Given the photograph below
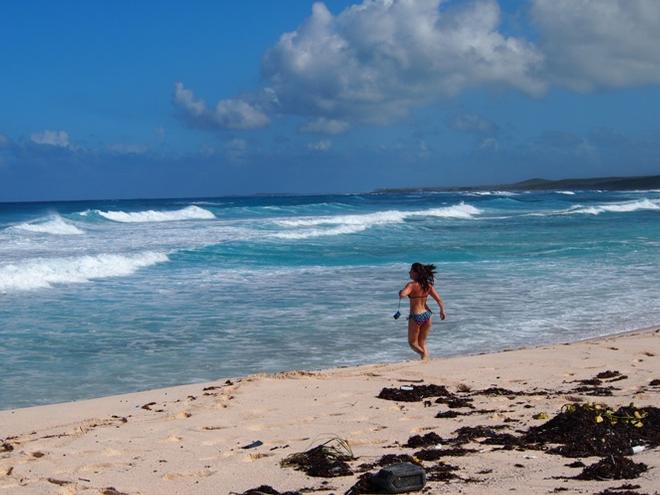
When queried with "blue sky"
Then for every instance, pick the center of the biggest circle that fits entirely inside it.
(125, 99)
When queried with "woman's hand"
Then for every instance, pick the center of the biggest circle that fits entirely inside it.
(442, 314)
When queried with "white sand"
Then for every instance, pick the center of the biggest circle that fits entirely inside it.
(189, 441)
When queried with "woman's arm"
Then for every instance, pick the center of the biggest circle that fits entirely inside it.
(406, 290)
(434, 294)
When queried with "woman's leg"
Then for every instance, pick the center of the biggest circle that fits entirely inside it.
(423, 334)
(413, 337)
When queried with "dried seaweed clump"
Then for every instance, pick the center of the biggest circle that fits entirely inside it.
(613, 468)
(327, 460)
(413, 393)
(583, 430)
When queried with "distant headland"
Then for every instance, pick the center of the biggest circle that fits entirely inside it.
(604, 183)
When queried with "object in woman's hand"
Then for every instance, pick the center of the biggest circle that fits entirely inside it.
(397, 315)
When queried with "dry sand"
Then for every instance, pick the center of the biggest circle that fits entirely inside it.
(188, 441)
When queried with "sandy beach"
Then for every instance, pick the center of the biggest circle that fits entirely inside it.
(189, 439)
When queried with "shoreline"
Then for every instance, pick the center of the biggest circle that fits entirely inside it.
(188, 438)
(330, 369)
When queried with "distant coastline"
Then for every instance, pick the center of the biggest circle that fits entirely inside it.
(605, 183)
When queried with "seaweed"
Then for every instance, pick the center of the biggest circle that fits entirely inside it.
(327, 460)
(435, 454)
(424, 441)
(265, 490)
(413, 393)
(583, 430)
(612, 468)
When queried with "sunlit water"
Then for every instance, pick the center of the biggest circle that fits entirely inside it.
(100, 298)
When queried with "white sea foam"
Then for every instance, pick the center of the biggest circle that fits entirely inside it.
(383, 217)
(305, 234)
(351, 224)
(54, 225)
(188, 213)
(567, 193)
(44, 272)
(493, 193)
(623, 207)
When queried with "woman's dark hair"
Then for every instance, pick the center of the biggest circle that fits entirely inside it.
(424, 274)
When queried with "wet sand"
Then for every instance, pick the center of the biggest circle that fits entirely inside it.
(189, 439)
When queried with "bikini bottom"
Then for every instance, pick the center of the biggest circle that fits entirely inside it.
(421, 318)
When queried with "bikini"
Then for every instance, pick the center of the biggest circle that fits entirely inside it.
(420, 318)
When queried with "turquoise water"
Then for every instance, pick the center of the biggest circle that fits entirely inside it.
(107, 297)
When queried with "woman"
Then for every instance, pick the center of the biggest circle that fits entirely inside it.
(419, 320)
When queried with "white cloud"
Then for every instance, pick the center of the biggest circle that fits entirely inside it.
(51, 138)
(320, 146)
(228, 114)
(600, 43)
(375, 61)
(238, 114)
(325, 126)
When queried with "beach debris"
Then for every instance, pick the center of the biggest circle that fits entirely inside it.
(449, 414)
(541, 415)
(613, 467)
(441, 472)
(256, 443)
(6, 447)
(431, 438)
(264, 490)
(435, 454)
(454, 402)
(583, 430)
(58, 482)
(655, 382)
(413, 393)
(604, 375)
(575, 464)
(147, 406)
(111, 490)
(401, 477)
(326, 460)
(386, 460)
(626, 489)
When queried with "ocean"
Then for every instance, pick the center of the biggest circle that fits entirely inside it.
(108, 297)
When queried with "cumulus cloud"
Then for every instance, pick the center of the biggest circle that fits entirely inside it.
(229, 114)
(325, 126)
(599, 43)
(375, 61)
(320, 146)
(59, 139)
(472, 123)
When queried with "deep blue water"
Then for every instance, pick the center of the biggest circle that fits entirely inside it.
(107, 297)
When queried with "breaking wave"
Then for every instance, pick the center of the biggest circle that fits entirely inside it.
(188, 213)
(624, 207)
(350, 224)
(45, 272)
(54, 225)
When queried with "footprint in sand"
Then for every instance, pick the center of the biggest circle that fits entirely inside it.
(173, 439)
